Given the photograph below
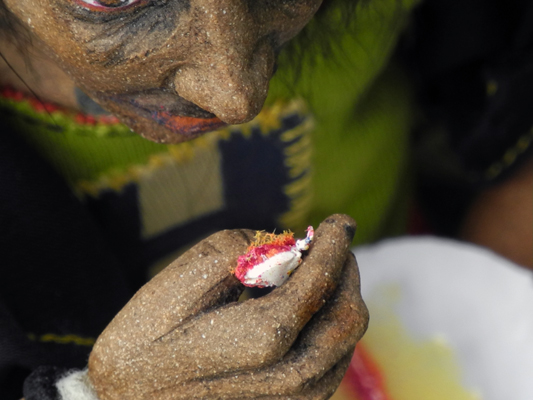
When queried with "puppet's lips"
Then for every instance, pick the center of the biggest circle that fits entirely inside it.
(170, 111)
(187, 126)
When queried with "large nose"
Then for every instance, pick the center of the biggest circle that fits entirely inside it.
(230, 62)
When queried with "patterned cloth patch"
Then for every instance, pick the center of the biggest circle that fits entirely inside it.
(176, 193)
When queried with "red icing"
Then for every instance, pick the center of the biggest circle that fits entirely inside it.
(264, 246)
(257, 255)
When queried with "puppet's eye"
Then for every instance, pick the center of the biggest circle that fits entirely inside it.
(108, 4)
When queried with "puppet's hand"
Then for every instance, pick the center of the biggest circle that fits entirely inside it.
(183, 336)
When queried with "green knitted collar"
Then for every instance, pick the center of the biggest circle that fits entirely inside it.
(80, 146)
(55, 118)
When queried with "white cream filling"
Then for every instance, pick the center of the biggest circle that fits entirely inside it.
(275, 270)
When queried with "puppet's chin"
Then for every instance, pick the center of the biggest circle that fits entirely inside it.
(160, 116)
(165, 128)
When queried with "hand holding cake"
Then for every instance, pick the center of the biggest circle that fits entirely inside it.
(185, 336)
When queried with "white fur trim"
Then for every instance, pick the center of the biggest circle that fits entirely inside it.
(76, 386)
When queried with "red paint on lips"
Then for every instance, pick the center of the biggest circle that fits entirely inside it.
(188, 126)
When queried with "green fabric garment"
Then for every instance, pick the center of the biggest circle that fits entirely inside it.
(363, 111)
(81, 151)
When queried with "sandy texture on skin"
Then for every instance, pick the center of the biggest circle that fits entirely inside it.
(184, 336)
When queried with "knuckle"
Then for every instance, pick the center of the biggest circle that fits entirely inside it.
(272, 341)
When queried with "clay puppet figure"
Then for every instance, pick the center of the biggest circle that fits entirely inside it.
(171, 70)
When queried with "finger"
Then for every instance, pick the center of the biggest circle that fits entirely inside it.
(329, 337)
(329, 383)
(316, 279)
(321, 390)
(198, 280)
(325, 387)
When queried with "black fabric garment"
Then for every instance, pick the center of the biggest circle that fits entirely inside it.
(59, 278)
(41, 384)
(473, 63)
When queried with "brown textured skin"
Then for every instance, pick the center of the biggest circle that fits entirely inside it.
(501, 217)
(184, 336)
(216, 54)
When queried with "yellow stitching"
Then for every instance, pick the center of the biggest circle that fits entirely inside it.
(299, 186)
(299, 146)
(299, 210)
(298, 163)
(299, 130)
(176, 154)
(181, 154)
(298, 160)
(224, 134)
(268, 120)
(245, 130)
(271, 120)
(62, 339)
(492, 87)
(510, 156)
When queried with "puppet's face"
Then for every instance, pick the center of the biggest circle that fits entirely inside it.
(170, 69)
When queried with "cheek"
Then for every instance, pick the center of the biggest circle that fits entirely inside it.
(31, 13)
(49, 33)
(84, 51)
